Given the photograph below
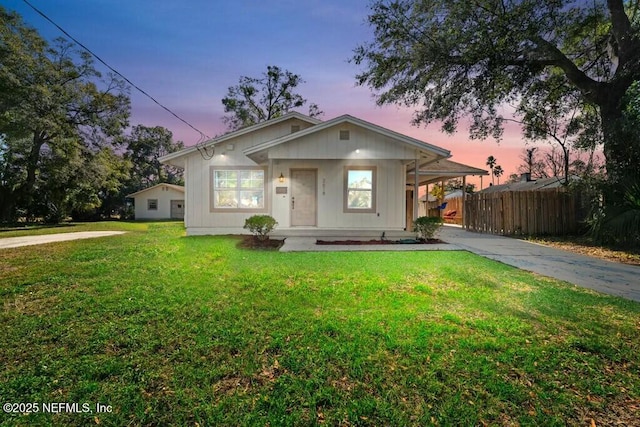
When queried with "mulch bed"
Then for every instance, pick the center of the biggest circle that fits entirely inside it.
(250, 242)
(380, 242)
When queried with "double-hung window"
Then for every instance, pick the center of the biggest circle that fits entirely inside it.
(360, 189)
(238, 189)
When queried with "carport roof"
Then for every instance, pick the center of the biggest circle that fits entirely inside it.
(442, 170)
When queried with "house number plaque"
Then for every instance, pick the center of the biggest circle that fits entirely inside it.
(281, 190)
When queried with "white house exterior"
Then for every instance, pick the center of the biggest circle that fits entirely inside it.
(311, 176)
(162, 201)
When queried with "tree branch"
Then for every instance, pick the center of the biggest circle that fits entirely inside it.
(592, 89)
(620, 27)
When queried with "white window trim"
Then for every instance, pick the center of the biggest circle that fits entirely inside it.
(213, 208)
(374, 189)
(149, 202)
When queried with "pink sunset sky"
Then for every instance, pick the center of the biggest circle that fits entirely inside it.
(187, 53)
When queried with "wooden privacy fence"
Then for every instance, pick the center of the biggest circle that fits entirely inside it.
(551, 211)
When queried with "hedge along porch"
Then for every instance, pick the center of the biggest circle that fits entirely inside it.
(344, 174)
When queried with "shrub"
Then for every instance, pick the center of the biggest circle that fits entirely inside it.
(618, 223)
(426, 226)
(260, 226)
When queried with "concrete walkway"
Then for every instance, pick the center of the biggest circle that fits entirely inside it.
(588, 272)
(15, 242)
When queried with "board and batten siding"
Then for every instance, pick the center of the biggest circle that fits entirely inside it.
(322, 151)
(362, 144)
(198, 218)
(390, 207)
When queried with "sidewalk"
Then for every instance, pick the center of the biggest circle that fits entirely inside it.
(593, 273)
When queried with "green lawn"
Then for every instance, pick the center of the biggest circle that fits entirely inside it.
(185, 331)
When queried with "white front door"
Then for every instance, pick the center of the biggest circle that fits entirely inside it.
(304, 200)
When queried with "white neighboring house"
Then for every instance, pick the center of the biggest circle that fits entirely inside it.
(162, 201)
(312, 176)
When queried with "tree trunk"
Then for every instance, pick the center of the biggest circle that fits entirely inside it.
(7, 205)
(26, 190)
(620, 145)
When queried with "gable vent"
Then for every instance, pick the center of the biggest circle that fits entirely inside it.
(344, 135)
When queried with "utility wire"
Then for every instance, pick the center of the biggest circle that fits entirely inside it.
(202, 134)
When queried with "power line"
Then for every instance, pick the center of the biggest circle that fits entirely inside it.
(202, 134)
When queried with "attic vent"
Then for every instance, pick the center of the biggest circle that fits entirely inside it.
(295, 128)
(344, 135)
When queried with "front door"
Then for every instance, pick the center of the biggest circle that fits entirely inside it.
(177, 209)
(304, 185)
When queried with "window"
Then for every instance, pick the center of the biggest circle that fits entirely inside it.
(295, 128)
(241, 189)
(152, 204)
(344, 135)
(360, 189)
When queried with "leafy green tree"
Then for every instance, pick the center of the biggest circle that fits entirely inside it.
(144, 146)
(454, 58)
(254, 100)
(54, 108)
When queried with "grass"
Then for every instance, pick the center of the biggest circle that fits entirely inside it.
(174, 330)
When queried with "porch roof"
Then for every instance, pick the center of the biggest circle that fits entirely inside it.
(442, 170)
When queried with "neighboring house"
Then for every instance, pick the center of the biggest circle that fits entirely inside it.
(527, 184)
(162, 201)
(311, 176)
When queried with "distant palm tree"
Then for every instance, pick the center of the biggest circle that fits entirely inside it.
(491, 162)
(497, 172)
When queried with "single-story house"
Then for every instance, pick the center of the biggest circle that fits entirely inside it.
(312, 176)
(162, 201)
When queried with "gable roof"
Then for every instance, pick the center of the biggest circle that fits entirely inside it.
(438, 151)
(239, 132)
(179, 188)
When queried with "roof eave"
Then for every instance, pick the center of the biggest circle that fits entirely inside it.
(214, 141)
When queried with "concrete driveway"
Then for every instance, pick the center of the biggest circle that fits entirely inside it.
(15, 242)
(603, 276)
(588, 272)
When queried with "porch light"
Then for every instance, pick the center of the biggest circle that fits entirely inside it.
(357, 150)
(281, 178)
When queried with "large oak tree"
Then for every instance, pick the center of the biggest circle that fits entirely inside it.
(456, 58)
(57, 115)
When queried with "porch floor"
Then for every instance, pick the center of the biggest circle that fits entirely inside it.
(340, 234)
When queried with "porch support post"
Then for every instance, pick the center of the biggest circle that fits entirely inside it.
(270, 189)
(441, 211)
(416, 187)
(464, 198)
